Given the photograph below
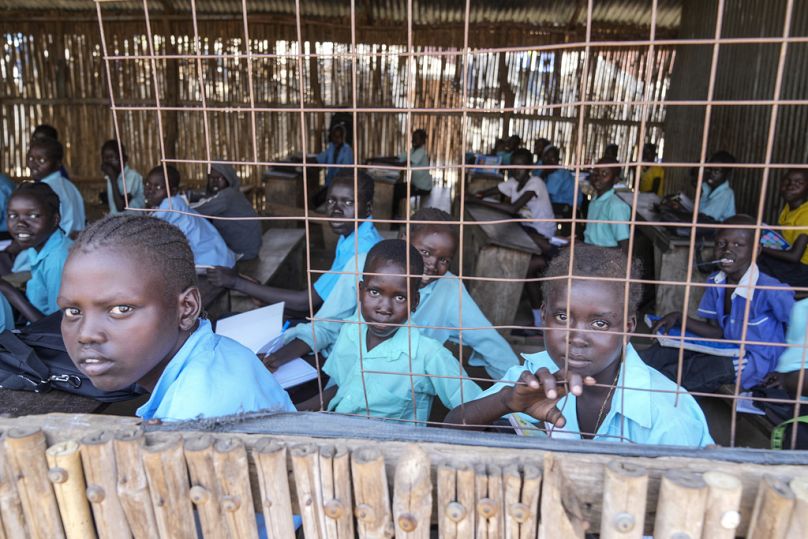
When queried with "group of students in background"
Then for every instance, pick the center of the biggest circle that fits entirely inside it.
(132, 314)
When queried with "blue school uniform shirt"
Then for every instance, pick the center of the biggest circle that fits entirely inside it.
(561, 187)
(71, 203)
(643, 410)
(134, 190)
(211, 376)
(6, 315)
(768, 317)
(363, 239)
(46, 272)
(718, 203)
(207, 244)
(6, 188)
(796, 355)
(328, 157)
(439, 306)
(390, 394)
(607, 207)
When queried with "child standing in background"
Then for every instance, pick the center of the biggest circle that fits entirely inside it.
(116, 165)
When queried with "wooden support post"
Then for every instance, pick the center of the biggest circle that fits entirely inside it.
(556, 519)
(625, 487)
(133, 486)
(306, 465)
(233, 475)
(205, 492)
(273, 480)
(681, 505)
(371, 493)
(25, 450)
(412, 495)
(335, 476)
(489, 502)
(168, 487)
(456, 501)
(772, 512)
(98, 457)
(64, 462)
(723, 500)
(11, 512)
(798, 524)
(521, 501)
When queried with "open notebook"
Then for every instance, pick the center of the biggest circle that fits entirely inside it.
(692, 341)
(261, 330)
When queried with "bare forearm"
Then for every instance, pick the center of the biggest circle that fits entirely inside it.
(290, 351)
(471, 415)
(313, 404)
(295, 300)
(18, 300)
(117, 196)
(705, 329)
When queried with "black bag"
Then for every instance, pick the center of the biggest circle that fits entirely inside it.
(34, 358)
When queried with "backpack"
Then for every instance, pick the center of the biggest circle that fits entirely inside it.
(34, 358)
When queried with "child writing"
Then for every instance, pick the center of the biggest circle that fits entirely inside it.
(722, 317)
(791, 265)
(131, 314)
(115, 165)
(414, 365)
(717, 201)
(207, 245)
(44, 162)
(560, 183)
(588, 384)
(33, 219)
(606, 206)
(438, 313)
(341, 203)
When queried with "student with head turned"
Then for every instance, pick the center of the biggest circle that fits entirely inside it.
(416, 367)
(560, 182)
(341, 203)
(206, 243)
(445, 305)
(131, 315)
(721, 316)
(44, 161)
(588, 383)
(606, 206)
(338, 152)
(120, 178)
(48, 131)
(652, 179)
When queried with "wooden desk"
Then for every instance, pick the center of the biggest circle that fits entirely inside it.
(384, 184)
(496, 250)
(17, 403)
(285, 185)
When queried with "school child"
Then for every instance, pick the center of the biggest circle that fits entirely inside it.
(33, 219)
(207, 245)
(539, 145)
(652, 179)
(353, 237)
(6, 188)
(717, 196)
(44, 160)
(722, 315)
(116, 165)
(560, 183)
(131, 314)
(338, 152)
(795, 358)
(606, 206)
(509, 145)
(225, 199)
(587, 384)
(48, 131)
(415, 366)
(791, 265)
(438, 313)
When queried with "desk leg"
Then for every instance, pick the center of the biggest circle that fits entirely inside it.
(499, 300)
(672, 266)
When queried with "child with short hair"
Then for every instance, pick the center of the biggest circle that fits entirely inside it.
(131, 315)
(560, 182)
(791, 265)
(44, 161)
(607, 206)
(33, 218)
(722, 310)
(207, 245)
(48, 131)
(379, 367)
(652, 179)
(115, 165)
(717, 196)
(338, 152)
(588, 384)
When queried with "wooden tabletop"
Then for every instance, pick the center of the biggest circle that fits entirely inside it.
(663, 236)
(510, 235)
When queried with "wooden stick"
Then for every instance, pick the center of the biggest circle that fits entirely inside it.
(456, 494)
(233, 474)
(625, 488)
(723, 500)
(512, 481)
(98, 457)
(306, 466)
(335, 470)
(798, 524)
(490, 503)
(10, 506)
(168, 487)
(681, 505)
(773, 506)
(273, 480)
(531, 488)
(371, 493)
(205, 492)
(133, 486)
(555, 520)
(64, 461)
(25, 450)
(412, 495)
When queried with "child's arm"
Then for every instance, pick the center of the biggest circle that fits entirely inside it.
(292, 350)
(793, 254)
(491, 191)
(709, 329)
(117, 196)
(313, 404)
(295, 300)
(18, 300)
(512, 207)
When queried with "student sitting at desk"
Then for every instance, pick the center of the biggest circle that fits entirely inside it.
(722, 310)
(652, 179)
(539, 145)
(416, 368)
(717, 201)
(587, 385)
(132, 316)
(607, 206)
(44, 161)
(791, 265)
(48, 131)
(338, 152)
(343, 204)
(115, 167)
(560, 183)
(421, 184)
(438, 313)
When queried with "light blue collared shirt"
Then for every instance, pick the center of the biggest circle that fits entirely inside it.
(439, 306)
(327, 157)
(561, 187)
(207, 244)
(719, 203)
(212, 376)
(363, 239)
(6, 315)
(607, 207)
(6, 188)
(134, 190)
(643, 407)
(71, 203)
(391, 394)
(796, 355)
(46, 272)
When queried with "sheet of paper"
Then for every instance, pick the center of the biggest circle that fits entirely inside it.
(254, 329)
(294, 373)
(748, 406)
(4, 244)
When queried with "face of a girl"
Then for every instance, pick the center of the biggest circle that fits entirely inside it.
(30, 222)
(437, 248)
(154, 188)
(40, 163)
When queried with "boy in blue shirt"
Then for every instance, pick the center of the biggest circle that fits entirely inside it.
(606, 206)
(206, 243)
(131, 315)
(722, 310)
(717, 197)
(378, 367)
(115, 167)
(338, 152)
(560, 182)
(588, 384)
